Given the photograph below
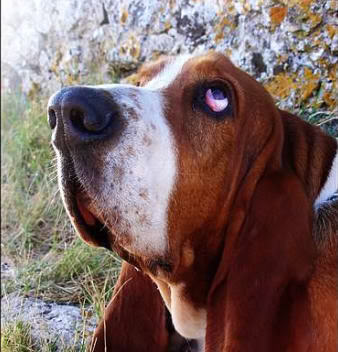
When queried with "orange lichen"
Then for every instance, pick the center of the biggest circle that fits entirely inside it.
(329, 101)
(228, 52)
(333, 73)
(304, 4)
(308, 75)
(282, 58)
(219, 28)
(315, 19)
(277, 15)
(132, 79)
(318, 42)
(246, 5)
(230, 9)
(333, 5)
(323, 62)
(281, 85)
(310, 83)
(124, 16)
(167, 25)
(131, 46)
(308, 89)
(331, 30)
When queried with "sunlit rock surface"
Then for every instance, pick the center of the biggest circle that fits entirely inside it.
(291, 46)
(61, 324)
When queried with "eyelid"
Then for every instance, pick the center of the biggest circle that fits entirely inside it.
(218, 82)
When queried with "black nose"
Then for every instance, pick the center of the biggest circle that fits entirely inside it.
(83, 114)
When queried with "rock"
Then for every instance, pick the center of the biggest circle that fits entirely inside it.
(7, 268)
(49, 321)
(51, 44)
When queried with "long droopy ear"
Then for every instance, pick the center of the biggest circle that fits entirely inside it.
(259, 300)
(135, 319)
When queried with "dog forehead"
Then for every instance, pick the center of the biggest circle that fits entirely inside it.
(169, 72)
(188, 68)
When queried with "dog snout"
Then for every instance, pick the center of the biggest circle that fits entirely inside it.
(83, 115)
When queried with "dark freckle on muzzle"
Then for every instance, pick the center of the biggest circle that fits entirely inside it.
(118, 173)
(132, 114)
(146, 141)
(143, 193)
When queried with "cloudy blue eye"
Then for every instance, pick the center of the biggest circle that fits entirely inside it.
(216, 99)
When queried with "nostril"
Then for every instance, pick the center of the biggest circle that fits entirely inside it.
(76, 119)
(87, 121)
(97, 124)
(51, 118)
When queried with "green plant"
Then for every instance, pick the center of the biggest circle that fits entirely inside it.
(17, 337)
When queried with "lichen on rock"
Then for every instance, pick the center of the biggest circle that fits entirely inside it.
(51, 44)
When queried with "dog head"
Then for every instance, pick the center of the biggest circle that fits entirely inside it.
(152, 171)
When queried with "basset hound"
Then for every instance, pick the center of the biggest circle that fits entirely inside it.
(223, 207)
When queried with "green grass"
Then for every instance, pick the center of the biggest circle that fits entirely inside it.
(51, 262)
(328, 121)
(18, 336)
(77, 273)
(31, 216)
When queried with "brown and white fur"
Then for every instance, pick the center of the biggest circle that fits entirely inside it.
(230, 220)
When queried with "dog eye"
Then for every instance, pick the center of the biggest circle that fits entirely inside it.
(216, 99)
(213, 98)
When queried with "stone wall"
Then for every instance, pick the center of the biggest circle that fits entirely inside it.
(290, 46)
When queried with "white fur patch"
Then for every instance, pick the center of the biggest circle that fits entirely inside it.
(169, 73)
(139, 171)
(187, 320)
(331, 185)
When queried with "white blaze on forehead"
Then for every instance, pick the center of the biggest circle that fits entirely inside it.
(169, 73)
(139, 171)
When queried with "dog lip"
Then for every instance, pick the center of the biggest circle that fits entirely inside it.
(87, 215)
(88, 226)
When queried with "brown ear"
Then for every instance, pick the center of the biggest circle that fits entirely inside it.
(135, 319)
(258, 301)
